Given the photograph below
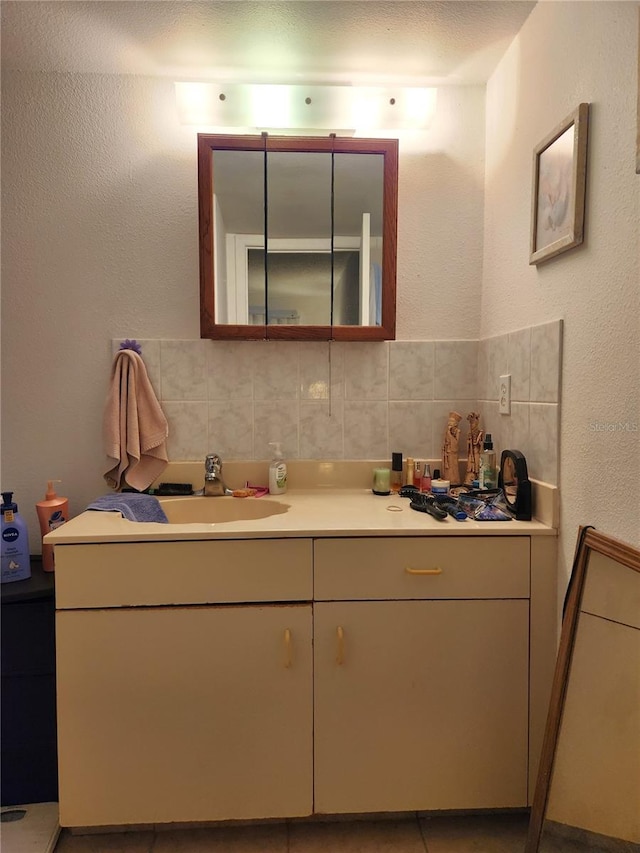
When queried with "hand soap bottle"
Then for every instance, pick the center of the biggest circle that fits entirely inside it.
(53, 511)
(277, 471)
(16, 564)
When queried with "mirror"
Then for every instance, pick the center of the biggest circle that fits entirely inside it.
(513, 479)
(297, 237)
(587, 796)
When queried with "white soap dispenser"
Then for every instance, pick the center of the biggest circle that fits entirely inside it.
(277, 471)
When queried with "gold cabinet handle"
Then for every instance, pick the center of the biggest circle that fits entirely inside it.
(340, 652)
(436, 571)
(287, 648)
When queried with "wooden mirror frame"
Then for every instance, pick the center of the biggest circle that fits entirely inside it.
(207, 143)
(590, 541)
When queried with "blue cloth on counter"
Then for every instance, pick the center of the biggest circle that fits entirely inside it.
(133, 506)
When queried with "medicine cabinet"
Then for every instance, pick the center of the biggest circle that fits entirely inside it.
(297, 237)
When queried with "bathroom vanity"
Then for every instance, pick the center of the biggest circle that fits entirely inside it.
(344, 656)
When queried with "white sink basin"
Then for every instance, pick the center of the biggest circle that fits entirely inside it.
(200, 510)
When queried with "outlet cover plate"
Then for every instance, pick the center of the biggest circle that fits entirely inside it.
(504, 395)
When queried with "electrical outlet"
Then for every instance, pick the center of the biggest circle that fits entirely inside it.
(504, 395)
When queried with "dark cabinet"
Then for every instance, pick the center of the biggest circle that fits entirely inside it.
(29, 765)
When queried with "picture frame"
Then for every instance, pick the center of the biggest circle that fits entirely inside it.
(559, 184)
(638, 91)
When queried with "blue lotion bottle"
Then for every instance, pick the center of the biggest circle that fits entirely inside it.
(16, 564)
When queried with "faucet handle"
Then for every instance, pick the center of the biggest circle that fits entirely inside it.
(211, 462)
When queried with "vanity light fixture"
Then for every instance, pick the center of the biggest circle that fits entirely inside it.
(347, 109)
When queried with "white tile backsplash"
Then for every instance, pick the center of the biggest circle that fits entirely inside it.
(184, 370)
(276, 370)
(520, 364)
(234, 397)
(321, 429)
(546, 342)
(366, 371)
(366, 430)
(455, 370)
(231, 425)
(411, 428)
(411, 365)
(543, 441)
(275, 420)
(188, 429)
(230, 370)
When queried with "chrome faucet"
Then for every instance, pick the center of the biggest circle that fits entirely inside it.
(213, 483)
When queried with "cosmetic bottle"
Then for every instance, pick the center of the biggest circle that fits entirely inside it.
(409, 476)
(15, 561)
(439, 486)
(396, 472)
(488, 475)
(277, 471)
(417, 473)
(425, 480)
(53, 511)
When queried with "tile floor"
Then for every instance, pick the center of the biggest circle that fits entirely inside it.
(504, 833)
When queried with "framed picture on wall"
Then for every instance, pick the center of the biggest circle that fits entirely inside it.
(638, 126)
(559, 181)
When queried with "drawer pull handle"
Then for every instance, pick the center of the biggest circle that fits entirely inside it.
(340, 653)
(436, 571)
(287, 648)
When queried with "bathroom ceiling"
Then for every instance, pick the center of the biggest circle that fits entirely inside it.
(312, 41)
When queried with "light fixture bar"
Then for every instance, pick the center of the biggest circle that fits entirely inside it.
(304, 107)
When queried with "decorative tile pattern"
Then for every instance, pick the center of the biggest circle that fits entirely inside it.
(455, 370)
(520, 364)
(230, 370)
(236, 396)
(183, 365)
(188, 433)
(275, 370)
(543, 442)
(321, 430)
(230, 432)
(365, 430)
(275, 420)
(411, 370)
(546, 342)
(366, 371)
(411, 428)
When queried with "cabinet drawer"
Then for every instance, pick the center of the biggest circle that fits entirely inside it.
(421, 567)
(612, 591)
(156, 573)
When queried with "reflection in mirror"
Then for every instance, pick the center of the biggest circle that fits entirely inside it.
(513, 479)
(238, 216)
(297, 237)
(510, 479)
(298, 269)
(587, 796)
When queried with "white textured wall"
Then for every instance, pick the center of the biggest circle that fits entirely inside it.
(99, 241)
(567, 53)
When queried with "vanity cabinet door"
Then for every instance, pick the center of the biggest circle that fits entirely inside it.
(184, 714)
(421, 705)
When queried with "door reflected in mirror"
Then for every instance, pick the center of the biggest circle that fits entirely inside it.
(297, 237)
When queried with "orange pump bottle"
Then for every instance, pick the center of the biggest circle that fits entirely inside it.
(53, 511)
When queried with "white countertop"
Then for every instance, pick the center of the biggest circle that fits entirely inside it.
(314, 512)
